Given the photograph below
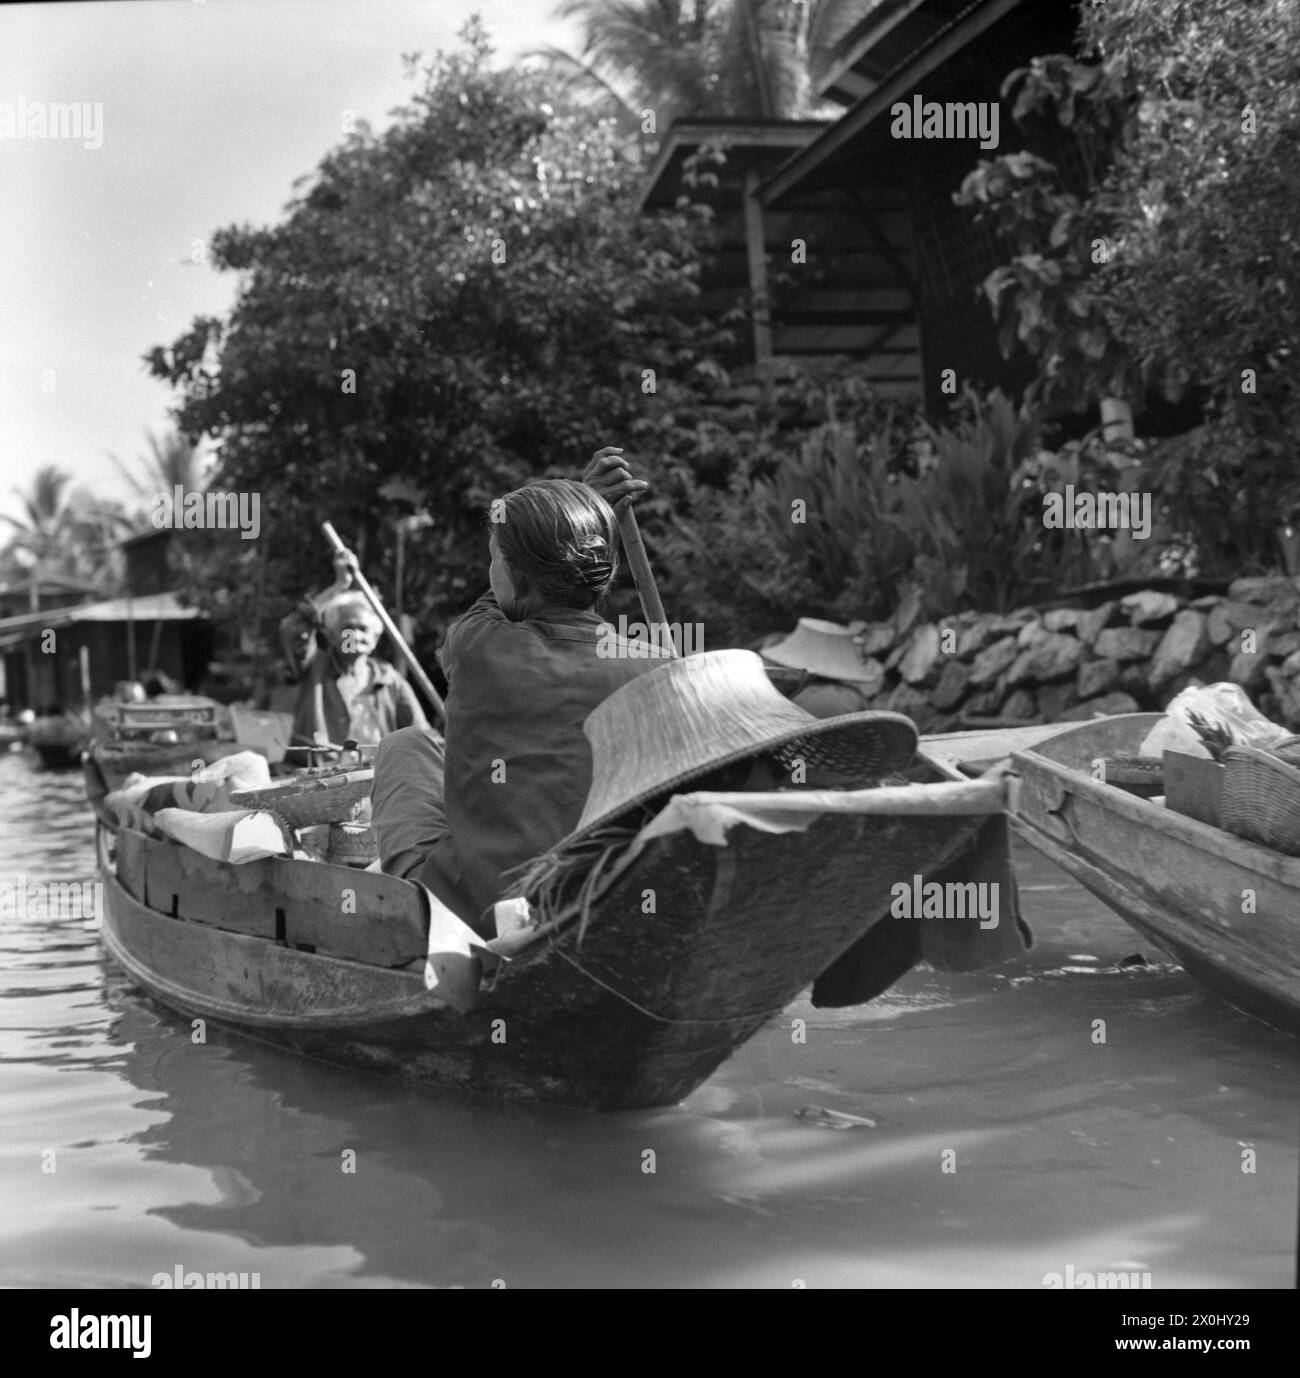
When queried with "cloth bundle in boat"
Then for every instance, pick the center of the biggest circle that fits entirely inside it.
(243, 836)
(210, 788)
(1224, 706)
(689, 717)
(208, 791)
(133, 805)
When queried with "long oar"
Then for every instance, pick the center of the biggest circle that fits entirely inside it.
(371, 597)
(643, 576)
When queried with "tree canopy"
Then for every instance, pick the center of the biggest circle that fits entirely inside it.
(763, 59)
(1173, 266)
(443, 311)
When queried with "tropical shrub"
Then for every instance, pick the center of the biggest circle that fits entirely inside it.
(841, 527)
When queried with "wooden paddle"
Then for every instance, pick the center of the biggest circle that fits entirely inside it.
(371, 597)
(643, 576)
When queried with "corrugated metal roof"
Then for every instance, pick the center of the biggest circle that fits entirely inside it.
(151, 607)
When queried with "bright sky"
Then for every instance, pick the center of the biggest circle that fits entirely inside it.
(210, 110)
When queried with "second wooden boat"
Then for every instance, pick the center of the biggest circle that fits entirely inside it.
(1226, 908)
(59, 740)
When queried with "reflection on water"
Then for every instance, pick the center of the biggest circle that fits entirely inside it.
(1007, 1144)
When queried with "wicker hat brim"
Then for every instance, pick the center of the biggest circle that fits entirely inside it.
(882, 743)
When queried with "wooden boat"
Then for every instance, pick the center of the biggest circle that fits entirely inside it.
(59, 740)
(623, 1009)
(120, 752)
(1181, 883)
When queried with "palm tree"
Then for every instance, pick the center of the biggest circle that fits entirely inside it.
(47, 509)
(172, 460)
(756, 58)
(638, 54)
(63, 530)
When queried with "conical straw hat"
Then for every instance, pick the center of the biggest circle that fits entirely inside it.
(822, 648)
(691, 716)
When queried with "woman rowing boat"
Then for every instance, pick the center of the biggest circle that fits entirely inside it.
(525, 666)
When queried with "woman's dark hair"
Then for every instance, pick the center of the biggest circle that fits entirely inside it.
(560, 541)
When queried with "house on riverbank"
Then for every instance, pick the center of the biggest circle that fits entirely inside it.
(842, 237)
(146, 629)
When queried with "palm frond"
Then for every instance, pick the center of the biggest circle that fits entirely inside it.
(577, 77)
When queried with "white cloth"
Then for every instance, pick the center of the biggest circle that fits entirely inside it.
(457, 957)
(1221, 705)
(247, 835)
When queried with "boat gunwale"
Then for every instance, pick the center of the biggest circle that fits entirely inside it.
(228, 941)
(414, 1001)
(1191, 831)
(1257, 973)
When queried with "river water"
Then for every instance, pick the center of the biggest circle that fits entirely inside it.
(1005, 1144)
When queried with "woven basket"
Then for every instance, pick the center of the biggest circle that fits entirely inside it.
(1261, 799)
(352, 844)
(304, 802)
(1288, 750)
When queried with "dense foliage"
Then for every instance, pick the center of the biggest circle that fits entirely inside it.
(471, 298)
(448, 308)
(1173, 266)
(844, 519)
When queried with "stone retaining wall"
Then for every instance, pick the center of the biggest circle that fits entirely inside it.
(1127, 655)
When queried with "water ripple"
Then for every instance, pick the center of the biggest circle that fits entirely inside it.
(131, 1150)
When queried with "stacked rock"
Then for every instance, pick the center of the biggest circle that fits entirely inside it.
(1125, 655)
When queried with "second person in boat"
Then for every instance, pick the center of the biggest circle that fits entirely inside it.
(344, 690)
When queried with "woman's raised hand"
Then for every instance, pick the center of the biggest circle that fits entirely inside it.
(609, 475)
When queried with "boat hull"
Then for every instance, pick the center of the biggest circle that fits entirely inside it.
(57, 755)
(1226, 909)
(684, 958)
